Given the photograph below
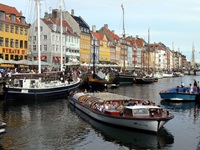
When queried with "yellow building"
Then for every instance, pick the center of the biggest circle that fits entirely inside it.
(13, 34)
(104, 50)
(85, 39)
(85, 48)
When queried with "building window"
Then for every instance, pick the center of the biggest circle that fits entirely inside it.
(25, 44)
(34, 47)
(11, 57)
(1, 41)
(25, 31)
(16, 43)
(2, 15)
(6, 56)
(34, 38)
(45, 37)
(45, 47)
(53, 48)
(21, 30)
(1, 27)
(56, 48)
(7, 42)
(21, 44)
(11, 42)
(53, 37)
(16, 30)
(12, 29)
(7, 28)
(13, 18)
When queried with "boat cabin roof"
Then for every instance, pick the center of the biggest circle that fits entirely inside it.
(101, 97)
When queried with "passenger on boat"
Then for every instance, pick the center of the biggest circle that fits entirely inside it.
(177, 89)
(191, 88)
(184, 90)
(182, 84)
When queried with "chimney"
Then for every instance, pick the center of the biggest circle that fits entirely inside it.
(46, 15)
(113, 31)
(94, 28)
(72, 12)
(55, 13)
(106, 26)
(137, 36)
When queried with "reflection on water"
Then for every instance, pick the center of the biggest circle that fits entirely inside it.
(49, 125)
(129, 138)
(38, 126)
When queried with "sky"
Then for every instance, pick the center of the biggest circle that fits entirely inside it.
(176, 23)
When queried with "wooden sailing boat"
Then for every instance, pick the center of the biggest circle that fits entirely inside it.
(95, 82)
(40, 86)
(145, 78)
(125, 77)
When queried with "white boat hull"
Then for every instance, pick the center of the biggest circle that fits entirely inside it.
(151, 125)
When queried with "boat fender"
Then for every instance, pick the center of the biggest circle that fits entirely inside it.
(121, 113)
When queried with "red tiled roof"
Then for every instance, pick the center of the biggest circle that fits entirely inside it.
(11, 10)
(57, 22)
(115, 36)
(99, 36)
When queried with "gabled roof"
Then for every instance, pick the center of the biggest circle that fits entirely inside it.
(136, 42)
(98, 36)
(65, 25)
(81, 22)
(113, 35)
(11, 10)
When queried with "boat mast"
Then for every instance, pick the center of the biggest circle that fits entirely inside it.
(193, 60)
(61, 41)
(93, 57)
(148, 49)
(123, 38)
(38, 35)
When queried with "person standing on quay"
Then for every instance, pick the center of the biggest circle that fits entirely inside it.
(197, 86)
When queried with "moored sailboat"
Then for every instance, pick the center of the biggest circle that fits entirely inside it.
(125, 77)
(39, 85)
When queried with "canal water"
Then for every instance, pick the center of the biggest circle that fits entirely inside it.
(56, 125)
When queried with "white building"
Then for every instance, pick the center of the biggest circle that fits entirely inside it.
(51, 42)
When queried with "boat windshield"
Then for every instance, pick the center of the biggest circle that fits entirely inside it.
(140, 111)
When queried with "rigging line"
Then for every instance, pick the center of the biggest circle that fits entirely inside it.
(64, 5)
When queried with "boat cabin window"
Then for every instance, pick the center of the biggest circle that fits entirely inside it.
(140, 112)
(128, 111)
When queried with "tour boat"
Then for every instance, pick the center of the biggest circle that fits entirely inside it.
(121, 110)
(180, 94)
(126, 136)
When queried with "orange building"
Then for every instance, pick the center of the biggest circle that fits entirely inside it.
(13, 34)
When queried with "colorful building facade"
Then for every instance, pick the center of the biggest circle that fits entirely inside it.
(13, 34)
